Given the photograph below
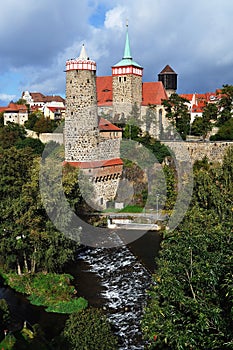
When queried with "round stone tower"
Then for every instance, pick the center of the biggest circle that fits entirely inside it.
(127, 82)
(81, 121)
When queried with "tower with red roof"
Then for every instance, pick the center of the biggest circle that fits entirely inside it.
(91, 143)
(126, 82)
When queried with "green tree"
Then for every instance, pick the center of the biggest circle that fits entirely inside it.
(1, 119)
(34, 144)
(89, 329)
(190, 304)
(32, 119)
(225, 104)
(178, 114)
(5, 316)
(44, 125)
(10, 134)
(202, 125)
(225, 132)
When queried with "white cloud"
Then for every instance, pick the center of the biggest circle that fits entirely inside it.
(116, 18)
(7, 98)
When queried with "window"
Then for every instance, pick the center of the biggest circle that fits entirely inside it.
(119, 79)
(124, 78)
(88, 80)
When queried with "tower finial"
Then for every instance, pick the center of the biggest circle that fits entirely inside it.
(127, 22)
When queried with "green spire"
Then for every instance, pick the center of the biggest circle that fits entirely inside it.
(127, 53)
(127, 59)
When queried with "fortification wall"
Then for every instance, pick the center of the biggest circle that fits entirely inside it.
(214, 151)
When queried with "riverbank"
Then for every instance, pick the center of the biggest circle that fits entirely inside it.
(52, 291)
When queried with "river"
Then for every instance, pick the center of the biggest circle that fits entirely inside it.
(114, 279)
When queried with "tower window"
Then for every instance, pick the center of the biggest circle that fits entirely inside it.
(119, 79)
(73, 97)
(70, 81)
(72, 113)
(124, 78)
(88, 81)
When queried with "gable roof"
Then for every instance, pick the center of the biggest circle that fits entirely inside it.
(14, 107)
(153, 93)
(39, 97)
(105, 125)
(104, 90)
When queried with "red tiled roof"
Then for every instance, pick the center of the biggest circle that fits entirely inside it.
(105, 125)
(96, 164)
(56, 109)
(153, 93)
(104, 90)
(39, 97)
(13, 107)
(188, 97)
(198, 108)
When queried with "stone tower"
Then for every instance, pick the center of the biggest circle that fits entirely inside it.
(127, 82)
(169, 79)
(81, 123)
(91, 143)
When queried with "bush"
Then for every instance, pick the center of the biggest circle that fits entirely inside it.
(89, 329)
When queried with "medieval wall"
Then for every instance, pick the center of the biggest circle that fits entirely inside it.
(214, 151)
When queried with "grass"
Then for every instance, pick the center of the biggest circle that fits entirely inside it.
(132, 209)
(54, 291)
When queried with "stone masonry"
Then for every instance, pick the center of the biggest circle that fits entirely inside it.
(86, 145)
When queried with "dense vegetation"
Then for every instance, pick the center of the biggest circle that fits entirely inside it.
(33, 253)
(191, 301)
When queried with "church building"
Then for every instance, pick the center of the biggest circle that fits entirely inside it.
(94, 104)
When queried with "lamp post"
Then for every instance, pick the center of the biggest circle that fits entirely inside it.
(157, 205)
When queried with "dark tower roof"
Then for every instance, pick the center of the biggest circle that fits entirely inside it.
(167, 69)
(168, 77)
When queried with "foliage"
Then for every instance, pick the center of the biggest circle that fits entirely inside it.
(29, 241)
(44, 125)
(190, 302)
(202, 125)
(32, 119)
(5, 316)
(1, 119)
(225, 132)
(89, 329)
(159, 150)
(10, 134)
(35, 144)
(51, 290)
(225, 104)
(178, 114)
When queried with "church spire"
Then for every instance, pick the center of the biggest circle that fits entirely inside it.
(127, 53)
(127, 59)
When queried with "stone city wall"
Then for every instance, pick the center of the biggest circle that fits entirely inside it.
(214, 151)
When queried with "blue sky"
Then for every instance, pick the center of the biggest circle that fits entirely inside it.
(37, 37)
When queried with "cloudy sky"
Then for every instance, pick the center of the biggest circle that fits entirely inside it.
(37, 37)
